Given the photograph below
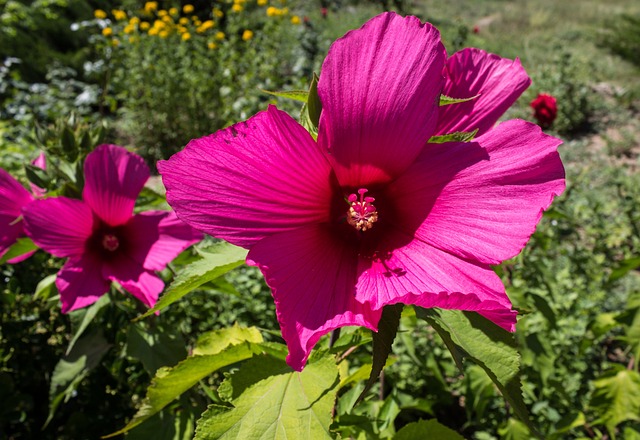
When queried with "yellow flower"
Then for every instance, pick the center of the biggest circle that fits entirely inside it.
(247, 35)
(197, 22)
(134, 21)
(115, 42)
(206, 25)
(211, 45)
(284, 11)
(236, 8)
(262, 2)
(173, 11)
(167, 19)
(272, 11)
(119, 14)
(144, 25)
(133, 39)
(220, 35)
(129, 29)
(99, 13)
(183, 20)
(186, 36)
(154, 31)
(162, 13)
(295, 19)
(187, 9)
(150, 6)
(217, 12)
(107, 32)
(159, 24)
(163, 34)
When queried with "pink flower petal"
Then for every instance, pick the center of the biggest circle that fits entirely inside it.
(481, 200)
(113, 179)
(80, 282)
(470, 72)
(134, 278)
(13, 197)
(409, 271)
(379, 89)
(155, 238)
(312, 274)
(254, 179)
(59, 225)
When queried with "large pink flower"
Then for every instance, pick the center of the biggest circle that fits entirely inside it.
(101, 237)
(13, 197)
(371, 214)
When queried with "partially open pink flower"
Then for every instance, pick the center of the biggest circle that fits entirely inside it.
(371, 214)
(101, 237)
(13, 197)
(545, 109)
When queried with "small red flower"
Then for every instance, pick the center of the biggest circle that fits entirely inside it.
(476, 30)
(323, 11)
(545, 109)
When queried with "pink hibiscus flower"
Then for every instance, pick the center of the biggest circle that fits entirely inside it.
(101, 237)
(13, 197)
(371, 214)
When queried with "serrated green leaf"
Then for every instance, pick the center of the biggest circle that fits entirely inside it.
(297, 95)
(448, 100)
(458, 136)
(382, 343)
(427, 429)
(217, 340)
(211, 266)
(257, 368)
(74, 367)
(81, 318)
(616, 398)
(285, 406)
(169, 383)
(469, 335)
(157, 349)
(22, 246)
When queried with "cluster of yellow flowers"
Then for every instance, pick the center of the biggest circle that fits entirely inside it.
(165, 22)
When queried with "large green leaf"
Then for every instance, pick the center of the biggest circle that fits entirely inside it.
(74, 367)
(427, 429)
(616, 398)
(469, 335)
(212, 265)
(624, 267)
(217, 340)
(81, 318)
(170, 383)
(292, 405)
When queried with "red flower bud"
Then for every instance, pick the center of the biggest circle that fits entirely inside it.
(545, 109)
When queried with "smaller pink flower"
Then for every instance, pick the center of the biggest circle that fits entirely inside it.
(101, 237)
(13, 197)
(545, 109)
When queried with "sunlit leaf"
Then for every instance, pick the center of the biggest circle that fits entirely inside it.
(616, 398)
(297, 95)
(448, 100)
(292, 405)
(22, 246)
(217, 340)
(211, 266)
(458, 136)
(624, 267)
(427, 429)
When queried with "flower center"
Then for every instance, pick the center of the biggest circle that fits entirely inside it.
(362, 214)
(110, 242)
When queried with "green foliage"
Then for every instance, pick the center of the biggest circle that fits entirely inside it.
(430, 429)
(622, 37)
(616, 397)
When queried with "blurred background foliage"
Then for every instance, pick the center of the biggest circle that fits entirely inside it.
(157, 85)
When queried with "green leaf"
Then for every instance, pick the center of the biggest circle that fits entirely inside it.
(22, 246)
(215, 341)
(624, 267)
(165, 425)
(80, 319)
(37, 176)
(69, 144)
(616, 398)
(284, 406)
(45, 286)
(211, 266)
(297, 95)
(314, 106)
(427, 429)
(458, 136)
(169, 383)
(469, 335)
(570, 421)
(382, 343)
(74, 367)
(514, 430)
(157, 349)
(257, 368)
(447, 100)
